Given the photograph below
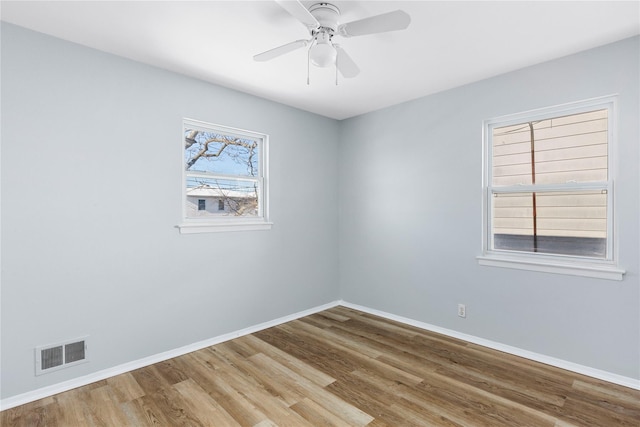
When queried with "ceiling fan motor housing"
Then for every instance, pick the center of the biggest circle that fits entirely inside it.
(326, 14)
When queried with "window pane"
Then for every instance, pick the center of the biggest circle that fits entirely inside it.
(567, 223)
(221, 197)
(220, 154)
(553, 151)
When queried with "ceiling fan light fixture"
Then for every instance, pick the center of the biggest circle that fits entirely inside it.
(323, 54)
(323, 23)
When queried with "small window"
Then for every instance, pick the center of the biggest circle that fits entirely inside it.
(549, 187)
(228, 165)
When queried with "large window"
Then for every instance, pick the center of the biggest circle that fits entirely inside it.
(549, 190)
(224, 178)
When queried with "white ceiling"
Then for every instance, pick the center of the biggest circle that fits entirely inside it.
(448, 43)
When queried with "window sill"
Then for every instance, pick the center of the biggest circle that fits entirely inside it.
(600, 271)
(215, 227)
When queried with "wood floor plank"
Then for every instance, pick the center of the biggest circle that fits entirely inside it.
(106, 406)
(317, 415)
(203, 406)
(320, 395)
(340, 367)
(597, 390)
(296, 365)
(43, 415)
(153, 414)
(330, 335)
(134, 413)
(173, 407)
(359, 353)
(372, 399)
(150, 380)
(76, 405)
(259, 377)
(236, 403)
(125, 387)
(331, 315)
(311, 353)
(538, 398)
(253, 389)
(15, 416)
(203, 368)
(168, 371)
(598, 403)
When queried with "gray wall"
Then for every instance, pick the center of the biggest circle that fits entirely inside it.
(386, 214)
(91, 194)
(410, 219)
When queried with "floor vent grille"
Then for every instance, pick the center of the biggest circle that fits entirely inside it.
(61, 355)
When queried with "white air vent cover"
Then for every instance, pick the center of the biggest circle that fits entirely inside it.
(61, 355)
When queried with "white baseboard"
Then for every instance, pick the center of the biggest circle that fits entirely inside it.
(558, 363)
(43, 392)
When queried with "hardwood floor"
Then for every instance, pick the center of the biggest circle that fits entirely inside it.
(345, 368)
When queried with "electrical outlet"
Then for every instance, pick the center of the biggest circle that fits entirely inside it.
(462, 310)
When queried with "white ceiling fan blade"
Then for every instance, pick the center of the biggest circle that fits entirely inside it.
(345, 64)
(280, 50)
(390, 21)
(299, 12)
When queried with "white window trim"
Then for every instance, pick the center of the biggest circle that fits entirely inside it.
(224, 224)
(559, 264)
(546, 265)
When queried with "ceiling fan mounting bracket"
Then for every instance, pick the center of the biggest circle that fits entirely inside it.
(326, 14)
(322, 30)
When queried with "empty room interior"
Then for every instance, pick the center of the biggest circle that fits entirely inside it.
(267, 213)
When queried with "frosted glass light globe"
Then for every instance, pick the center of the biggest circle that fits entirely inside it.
(323, 54)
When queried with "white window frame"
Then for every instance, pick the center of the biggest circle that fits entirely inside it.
(228, 223)
(606, 268)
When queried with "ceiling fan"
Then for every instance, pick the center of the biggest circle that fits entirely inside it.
(322, 21)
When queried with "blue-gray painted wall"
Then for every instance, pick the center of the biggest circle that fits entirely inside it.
(91, 194)
(411, 216)
(382, 210)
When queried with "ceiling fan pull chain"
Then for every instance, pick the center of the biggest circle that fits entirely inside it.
(308, 61)
(309, 56)
(336, 70)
